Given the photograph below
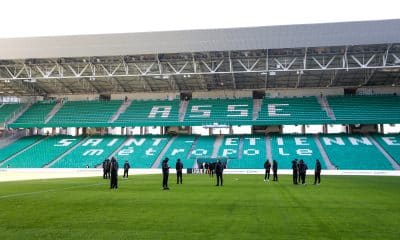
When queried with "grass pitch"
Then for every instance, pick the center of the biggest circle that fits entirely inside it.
(342, 207)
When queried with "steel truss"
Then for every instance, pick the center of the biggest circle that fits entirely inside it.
(166, 67)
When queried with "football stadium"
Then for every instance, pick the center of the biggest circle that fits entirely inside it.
(239, 96)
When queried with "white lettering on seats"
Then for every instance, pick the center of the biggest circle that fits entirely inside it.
(228, 151)
(176, 151)
(135, 141)
(273, 110)
(93, 142)
(231, 141)
(92, 152)
(157, 141)
(392, 141)
(251, 152)
(252, 140)
(329, 141)
(362, 140)
(199, 152)
(239, 112)
(165, 111)
(115, 140)
(64, 142)
(304, 152)
(204, 112)
(301, 141)
(126, 151)
(281, 152)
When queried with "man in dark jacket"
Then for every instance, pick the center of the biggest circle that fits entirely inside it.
(165, 173)
(275, 170)
(219, 170)
(267, 166)
(127, 166)
(104, 165)
(317, 176)
(295, 171)
(179, 167)
(114, 173)
(108, 166)
(303, 170)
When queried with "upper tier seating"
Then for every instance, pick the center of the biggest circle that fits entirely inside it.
(355, 152)
(365, 109)
(6, 111)
(85, 113)
(35, 115)
(304, 110)
(150, 113)
(286, 148)
(221, 111)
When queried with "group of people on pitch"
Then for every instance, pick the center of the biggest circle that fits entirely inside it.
(110, 171)
(299, 168)
(218, 168)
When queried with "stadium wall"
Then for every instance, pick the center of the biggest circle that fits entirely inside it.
(378, 90)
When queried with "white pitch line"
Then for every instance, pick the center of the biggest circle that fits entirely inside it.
(47, 191)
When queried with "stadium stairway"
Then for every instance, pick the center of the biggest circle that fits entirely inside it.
(325, 106)
(392, 161)
(182, 110)
(53, 111)
(325, 156)
(257, 103)
(217, 145)
(163, 152)
(122, 109)
(19, 113)
(391, 144)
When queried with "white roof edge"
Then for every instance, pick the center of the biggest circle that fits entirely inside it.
(231, 39)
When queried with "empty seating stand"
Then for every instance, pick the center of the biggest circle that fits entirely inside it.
(85, 114)
(303, 110)
(7, 110)
(365, 109)
(150, 113)
(35, 116)
(221, 111)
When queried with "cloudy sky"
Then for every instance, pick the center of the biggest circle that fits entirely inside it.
(21, 18)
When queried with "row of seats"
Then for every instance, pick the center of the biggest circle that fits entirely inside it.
(7, 110)
(273, 111)
(353, 152)
(85, 113)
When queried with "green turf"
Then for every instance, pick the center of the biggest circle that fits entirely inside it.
(342, 207)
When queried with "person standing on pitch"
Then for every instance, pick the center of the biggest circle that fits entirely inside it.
(275, 170)
(267, 166)
(114, 173)
(104, 165)
(295, 171)
(165, 172)
(317, 176)
(219, 170)
(126, 169)
(303, 171)
(108, 167)
(179, 167)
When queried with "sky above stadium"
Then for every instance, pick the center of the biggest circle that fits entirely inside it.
(26, 18)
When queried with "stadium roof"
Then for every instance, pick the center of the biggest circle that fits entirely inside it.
(272, 37)
(348, 54)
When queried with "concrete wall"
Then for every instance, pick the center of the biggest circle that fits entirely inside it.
(223, 94)
(275, 93)
(378, 90)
